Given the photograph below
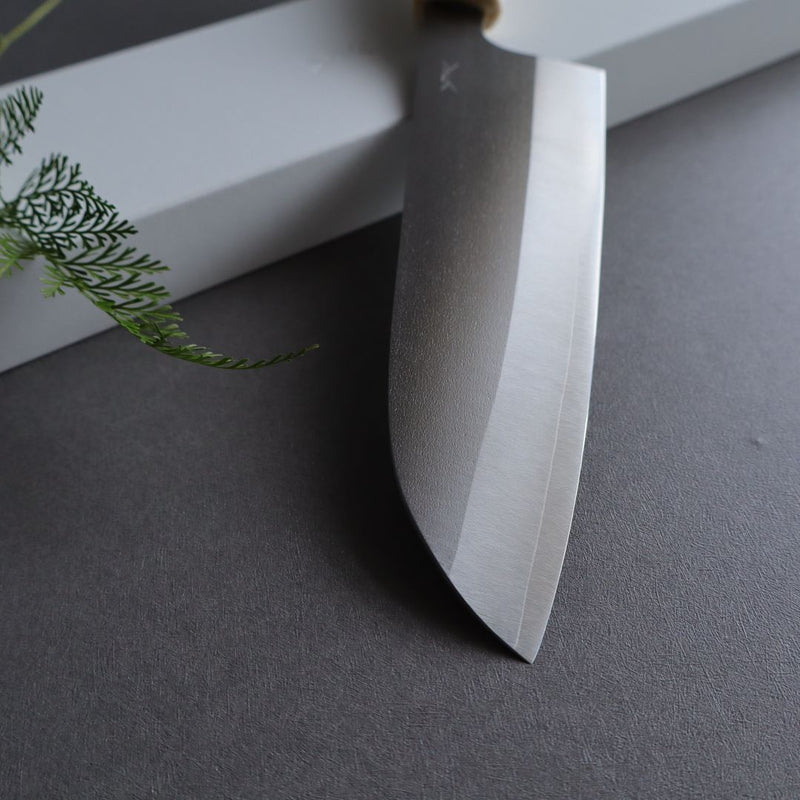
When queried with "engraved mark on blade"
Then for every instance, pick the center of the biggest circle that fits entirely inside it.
(446, 76)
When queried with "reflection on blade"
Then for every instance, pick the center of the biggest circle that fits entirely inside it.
(494, 319)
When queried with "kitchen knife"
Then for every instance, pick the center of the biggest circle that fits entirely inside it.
(495, 311)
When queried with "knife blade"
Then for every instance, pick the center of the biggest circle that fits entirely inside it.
(495, 308)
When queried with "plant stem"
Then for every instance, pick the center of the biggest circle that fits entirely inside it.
(38, 14)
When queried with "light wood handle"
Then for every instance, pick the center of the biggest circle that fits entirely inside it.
(490, 8)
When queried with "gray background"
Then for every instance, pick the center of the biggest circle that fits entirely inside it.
(209, 587)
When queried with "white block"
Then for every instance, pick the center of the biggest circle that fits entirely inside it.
(240, 143)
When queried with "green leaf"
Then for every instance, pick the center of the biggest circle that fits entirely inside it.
(61, 211)
(13, 251)
(17, 113)
(58, 215)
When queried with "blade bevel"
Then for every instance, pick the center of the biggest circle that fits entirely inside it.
(568, 455)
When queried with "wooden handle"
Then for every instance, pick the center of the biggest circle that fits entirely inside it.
(490, 8)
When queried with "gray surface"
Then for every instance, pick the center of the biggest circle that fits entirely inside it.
(209, 589)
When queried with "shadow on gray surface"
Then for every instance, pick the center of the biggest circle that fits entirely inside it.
(337, 297)
(354, 303)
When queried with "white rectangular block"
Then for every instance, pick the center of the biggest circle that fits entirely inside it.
(240, 143)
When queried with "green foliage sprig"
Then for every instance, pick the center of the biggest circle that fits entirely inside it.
(58, 217)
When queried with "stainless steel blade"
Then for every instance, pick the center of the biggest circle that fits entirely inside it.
(495, 313)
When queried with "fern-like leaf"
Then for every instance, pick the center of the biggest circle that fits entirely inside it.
(205, 357)
(61, 211)
(14, 250)
(17, 114)
(117, 258)
(59, 216)
(138, 307)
